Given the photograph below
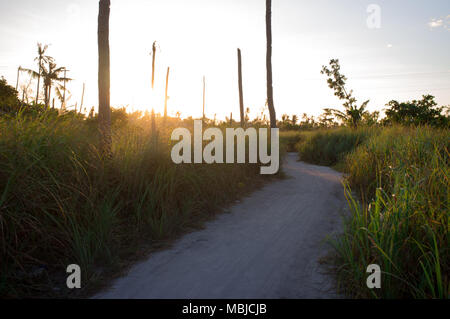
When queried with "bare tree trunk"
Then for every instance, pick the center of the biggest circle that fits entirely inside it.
(104, 111)
(231, 118)
(153, 123)
(154, 137)
(49, 95)
(153, 63)
(82, 96)
(63, 104)
(49, 86)
(273, 117)
(18, 73)
(204, 89)
(46, 95)
(166, 96)
(39, 80)
(241, 94)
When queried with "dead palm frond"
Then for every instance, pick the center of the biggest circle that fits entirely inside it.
(59, 91)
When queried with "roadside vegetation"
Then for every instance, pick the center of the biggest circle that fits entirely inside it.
(61, 203)
(397, 187)
(91, 189)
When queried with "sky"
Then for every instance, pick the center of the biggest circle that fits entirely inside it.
(393, 50)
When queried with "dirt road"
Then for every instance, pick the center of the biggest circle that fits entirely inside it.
(268, 246)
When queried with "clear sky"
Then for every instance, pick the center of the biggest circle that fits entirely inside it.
(406, 57)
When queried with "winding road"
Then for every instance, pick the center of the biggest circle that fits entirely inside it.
(269, 245)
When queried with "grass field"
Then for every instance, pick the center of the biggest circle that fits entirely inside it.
(61, 204)
(400, 215)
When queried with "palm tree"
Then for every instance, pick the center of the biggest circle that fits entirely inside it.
(273, 117)
(352, 114)
(104, 110)
(294, 119)
(51, 76)
(41, 59)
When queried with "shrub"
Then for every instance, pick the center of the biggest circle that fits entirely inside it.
(328, 147)
(8, 98)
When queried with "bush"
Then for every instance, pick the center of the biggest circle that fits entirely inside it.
(417, 112)
(8, 98)
(328, 147)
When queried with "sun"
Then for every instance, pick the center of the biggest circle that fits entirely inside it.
(134, 92)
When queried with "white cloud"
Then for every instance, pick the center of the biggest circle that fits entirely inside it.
(436, 23)
(440, 23)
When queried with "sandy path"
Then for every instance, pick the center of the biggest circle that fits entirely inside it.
(268, 246)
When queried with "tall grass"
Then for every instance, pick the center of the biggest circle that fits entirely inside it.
(60, 203)
(401, 221)
(290, 139)
(328, 147)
